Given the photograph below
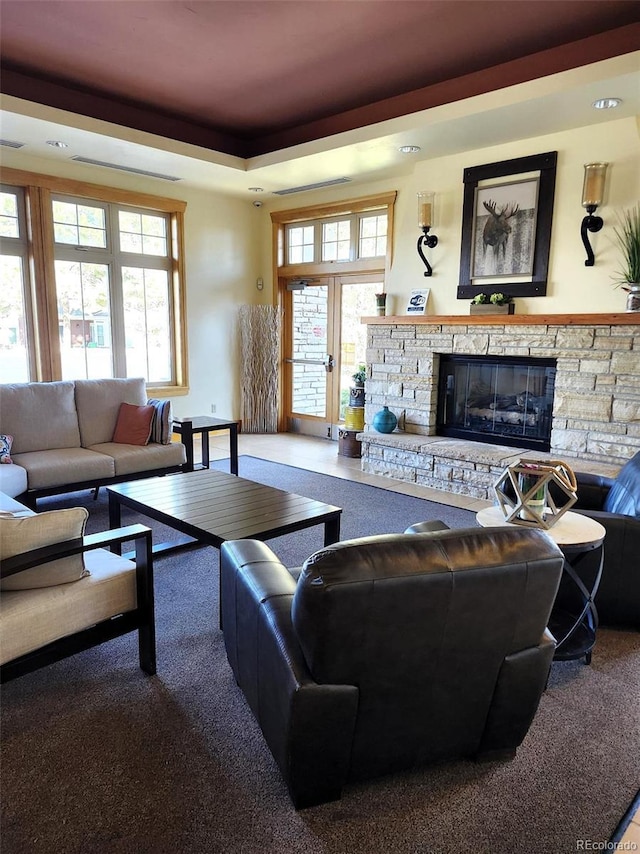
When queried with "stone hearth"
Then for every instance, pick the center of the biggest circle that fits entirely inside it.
(596, 413)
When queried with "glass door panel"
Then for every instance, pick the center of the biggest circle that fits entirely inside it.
(310, 360)
(358, 299)
(325, 344)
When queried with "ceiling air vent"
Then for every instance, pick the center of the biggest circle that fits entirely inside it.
(148, 174)
(9, 144)
(317, 186)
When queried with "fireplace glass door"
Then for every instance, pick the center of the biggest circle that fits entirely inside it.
(504, 400)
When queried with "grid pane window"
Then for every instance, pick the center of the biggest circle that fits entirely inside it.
(343, 238)
(373, 236)
(79, 225)
(115, 310)
(14, 363)
(336, 241)
(15, 327)
(84, 319)
(144, 234)
(300, 244)
(9, 223)
(147, 323)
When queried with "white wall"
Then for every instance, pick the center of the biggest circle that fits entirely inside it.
(571, 287)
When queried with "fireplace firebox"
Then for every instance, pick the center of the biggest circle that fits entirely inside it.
(506, 400)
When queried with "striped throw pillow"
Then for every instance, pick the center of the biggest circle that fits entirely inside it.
(162, 421)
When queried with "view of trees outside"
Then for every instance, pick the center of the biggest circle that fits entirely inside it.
(82, 291)
(14, 362)
(147, 323)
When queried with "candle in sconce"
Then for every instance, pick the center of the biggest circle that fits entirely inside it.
(425, 214)
(593, 188)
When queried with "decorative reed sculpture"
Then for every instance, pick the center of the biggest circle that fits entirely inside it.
(259, 341)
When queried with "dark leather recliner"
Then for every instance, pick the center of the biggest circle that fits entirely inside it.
(616, 505)
(391, 651)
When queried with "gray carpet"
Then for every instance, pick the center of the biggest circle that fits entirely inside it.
(98, 758)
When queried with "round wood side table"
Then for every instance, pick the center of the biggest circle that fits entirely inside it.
(574, 618)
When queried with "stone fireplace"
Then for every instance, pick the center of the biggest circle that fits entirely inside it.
(594, 417)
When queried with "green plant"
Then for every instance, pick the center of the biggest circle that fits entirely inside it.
(495, 298)
(360, 375)
(627, 233)
(500, 299)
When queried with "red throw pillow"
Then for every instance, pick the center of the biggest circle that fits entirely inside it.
(133, 426)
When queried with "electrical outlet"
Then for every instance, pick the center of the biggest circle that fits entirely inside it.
(213, 408)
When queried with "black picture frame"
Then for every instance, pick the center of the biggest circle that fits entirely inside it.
(545, 166)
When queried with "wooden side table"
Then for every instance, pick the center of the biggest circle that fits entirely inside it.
(186, 428)
(574, 618)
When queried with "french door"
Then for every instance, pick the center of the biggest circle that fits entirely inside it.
(323, 343)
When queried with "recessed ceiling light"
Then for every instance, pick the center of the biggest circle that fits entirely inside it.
(256, 190)
(56, 143)
(409, 149)
(606, 103)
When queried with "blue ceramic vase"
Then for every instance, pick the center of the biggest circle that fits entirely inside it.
(385, 421)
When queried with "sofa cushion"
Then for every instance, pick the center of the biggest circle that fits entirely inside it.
(48, 469)
(39, 416)
(33, 618)
(13, 480)
(5, 449)
(23, 534)
(161, 426)
(98, 403)
(133, 426)
(131, 459)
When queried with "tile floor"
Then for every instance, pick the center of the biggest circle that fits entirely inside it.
(321, 455)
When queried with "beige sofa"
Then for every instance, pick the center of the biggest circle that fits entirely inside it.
(62, 437)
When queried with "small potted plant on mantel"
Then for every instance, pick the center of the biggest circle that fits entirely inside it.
(495, 303)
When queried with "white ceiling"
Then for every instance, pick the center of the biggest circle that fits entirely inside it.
(552, 104)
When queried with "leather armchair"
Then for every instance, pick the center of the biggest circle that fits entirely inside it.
(616, 505)
(391, 651)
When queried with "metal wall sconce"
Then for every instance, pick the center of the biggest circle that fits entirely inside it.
(592, 194)
(425, 222)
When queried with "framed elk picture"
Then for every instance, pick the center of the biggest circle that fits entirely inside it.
(506, 227)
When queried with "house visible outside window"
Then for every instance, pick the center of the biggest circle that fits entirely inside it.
(108, 284)
(120, 283)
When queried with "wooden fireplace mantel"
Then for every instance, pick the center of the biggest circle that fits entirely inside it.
(621, 319)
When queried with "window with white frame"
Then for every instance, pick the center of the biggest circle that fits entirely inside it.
(109, 266)
(343, 238)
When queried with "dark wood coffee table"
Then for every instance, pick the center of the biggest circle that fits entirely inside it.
(210, 507)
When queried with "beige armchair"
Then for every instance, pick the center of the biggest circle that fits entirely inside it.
(112, 596)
